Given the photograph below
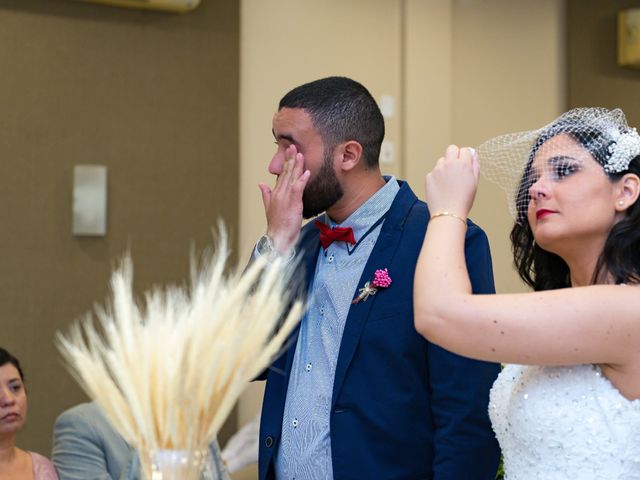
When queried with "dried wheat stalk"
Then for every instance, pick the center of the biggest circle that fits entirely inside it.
(167, 371)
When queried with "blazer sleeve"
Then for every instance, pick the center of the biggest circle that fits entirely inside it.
(78, 453)
(464, 443)
(80, 445)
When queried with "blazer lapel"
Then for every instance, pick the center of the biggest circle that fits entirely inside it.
(381, 257)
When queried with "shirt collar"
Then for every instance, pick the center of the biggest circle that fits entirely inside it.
(370, 211)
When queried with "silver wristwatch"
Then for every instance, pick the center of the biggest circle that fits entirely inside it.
(265, 247)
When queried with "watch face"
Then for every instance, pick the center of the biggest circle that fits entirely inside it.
(264, 245)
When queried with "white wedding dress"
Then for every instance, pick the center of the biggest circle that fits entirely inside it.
(564, 423)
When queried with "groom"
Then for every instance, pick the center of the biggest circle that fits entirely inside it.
(359, 394)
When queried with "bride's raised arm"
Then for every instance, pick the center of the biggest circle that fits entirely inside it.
(574, 207)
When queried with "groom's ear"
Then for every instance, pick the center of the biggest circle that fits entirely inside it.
(350, 155)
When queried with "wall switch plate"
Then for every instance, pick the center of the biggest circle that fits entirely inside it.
(387, 106)
(387, 152)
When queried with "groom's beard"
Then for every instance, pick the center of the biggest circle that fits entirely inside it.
(322, 191)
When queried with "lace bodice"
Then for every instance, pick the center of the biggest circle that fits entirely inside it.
(564, 423)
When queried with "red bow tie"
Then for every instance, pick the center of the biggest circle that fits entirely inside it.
(330, 235)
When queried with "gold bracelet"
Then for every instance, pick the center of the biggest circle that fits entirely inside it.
(449, 214)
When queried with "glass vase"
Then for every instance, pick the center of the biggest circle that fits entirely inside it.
(182, 465)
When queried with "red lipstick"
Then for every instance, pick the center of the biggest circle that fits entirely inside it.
(543, 212)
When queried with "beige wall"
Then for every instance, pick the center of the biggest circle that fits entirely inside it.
(460, 70)
(594, 78)
(152, 96)
(509, 75)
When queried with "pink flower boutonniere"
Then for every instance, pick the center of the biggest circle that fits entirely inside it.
(381, 279)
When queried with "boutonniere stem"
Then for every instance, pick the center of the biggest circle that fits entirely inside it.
(381, 279)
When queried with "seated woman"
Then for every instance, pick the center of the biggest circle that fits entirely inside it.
(573, 411)
(15, 463)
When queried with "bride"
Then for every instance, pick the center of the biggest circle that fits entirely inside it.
(568, 405)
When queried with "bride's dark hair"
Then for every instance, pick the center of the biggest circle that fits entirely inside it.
(620, 257)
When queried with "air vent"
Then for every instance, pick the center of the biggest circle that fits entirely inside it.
(164, 5)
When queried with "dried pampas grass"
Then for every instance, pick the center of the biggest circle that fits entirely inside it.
(167, 371)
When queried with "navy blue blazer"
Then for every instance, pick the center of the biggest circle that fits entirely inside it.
(402, 407)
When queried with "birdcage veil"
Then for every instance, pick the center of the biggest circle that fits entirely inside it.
(507, 159)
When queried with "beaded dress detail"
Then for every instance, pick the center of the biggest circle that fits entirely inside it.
(558, 423)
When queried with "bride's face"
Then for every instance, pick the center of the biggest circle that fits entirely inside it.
(13, 400)
(571, 197)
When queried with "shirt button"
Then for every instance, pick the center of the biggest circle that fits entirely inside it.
(330, 258)
(308, 367)
(295, 423)
(321, 310)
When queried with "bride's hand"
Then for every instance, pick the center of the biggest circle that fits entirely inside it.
(451, 186)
